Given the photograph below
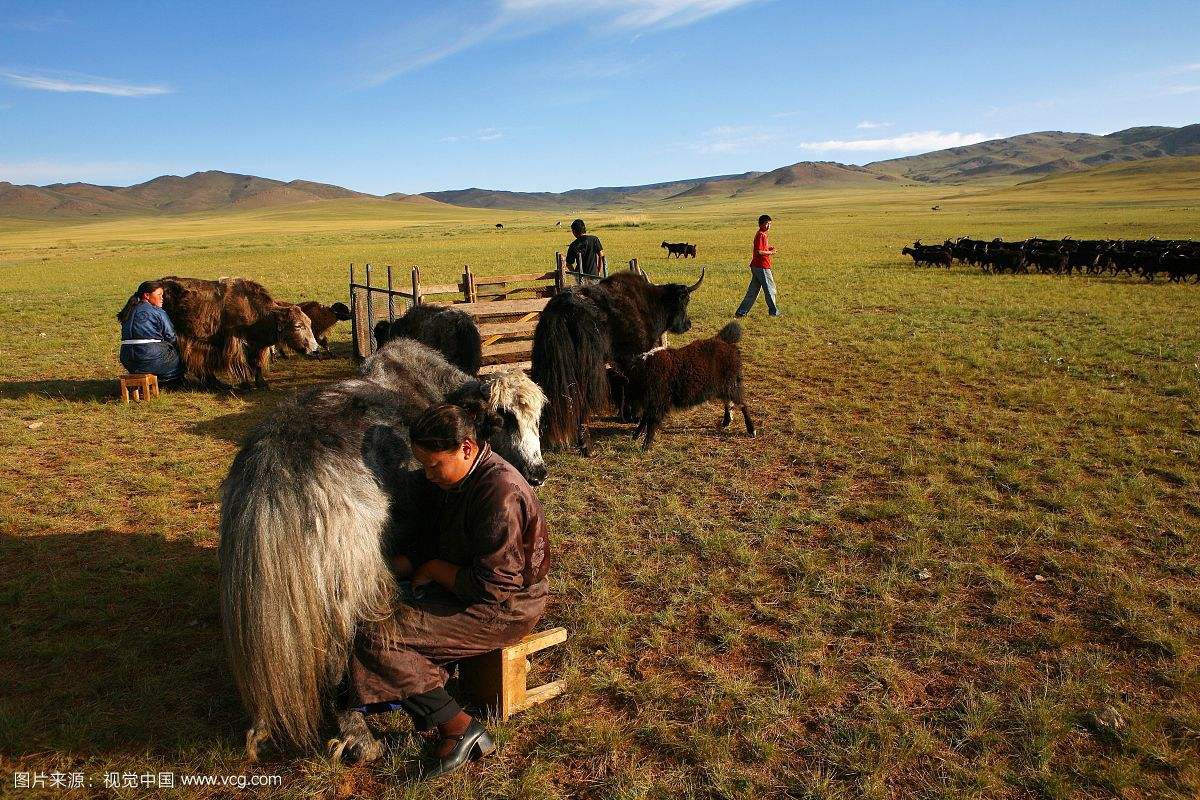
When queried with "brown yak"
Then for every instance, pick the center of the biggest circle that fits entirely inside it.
(228, 326)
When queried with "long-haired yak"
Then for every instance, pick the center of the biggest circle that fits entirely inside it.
(584, 330)
(311, 503)
(451, 332)
(227, 327)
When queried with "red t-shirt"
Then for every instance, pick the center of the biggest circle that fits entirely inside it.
(760, 243)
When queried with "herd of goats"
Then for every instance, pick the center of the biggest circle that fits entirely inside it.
(1177, 259)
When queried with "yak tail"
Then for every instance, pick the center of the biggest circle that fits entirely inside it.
(300, 566)
(731, 333)
(571, 348)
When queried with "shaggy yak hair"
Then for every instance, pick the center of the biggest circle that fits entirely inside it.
(449, 331)
(227, 327)
(584, 330)
(306, 512)
(682, 377)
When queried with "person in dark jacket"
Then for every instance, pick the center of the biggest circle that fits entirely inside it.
(148, 337)
(584, 254)
(476, 557)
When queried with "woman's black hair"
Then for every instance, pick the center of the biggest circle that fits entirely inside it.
(146, 287)
(444, 427)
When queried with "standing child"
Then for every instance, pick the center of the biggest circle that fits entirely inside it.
(760, 272)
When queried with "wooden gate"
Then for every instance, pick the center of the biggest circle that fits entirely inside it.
(505, 307)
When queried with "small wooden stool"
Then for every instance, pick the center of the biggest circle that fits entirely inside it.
(139, 385)
(497, 680)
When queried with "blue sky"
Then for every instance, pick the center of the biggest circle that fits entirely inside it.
(550, 94)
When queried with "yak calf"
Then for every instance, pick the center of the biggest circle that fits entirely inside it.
(682, 377)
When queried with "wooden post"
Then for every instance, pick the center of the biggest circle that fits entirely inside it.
(560, 278)
(469, 284)
(416, 286)
(353, 310)
(391, 297)
(633, 265)
(370, 311)
(603, 259)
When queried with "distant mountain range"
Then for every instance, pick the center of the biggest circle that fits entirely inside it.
(1027, 156)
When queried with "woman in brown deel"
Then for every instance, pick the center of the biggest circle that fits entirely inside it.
(476, 556)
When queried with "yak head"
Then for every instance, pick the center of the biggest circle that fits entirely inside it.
(516, 402)
(675, 297)
(293, 328)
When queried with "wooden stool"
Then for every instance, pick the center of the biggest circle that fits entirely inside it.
(497, 680)
(141, 385)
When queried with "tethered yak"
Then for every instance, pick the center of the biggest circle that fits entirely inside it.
(228, 327)
(586, 329)
(310, 506)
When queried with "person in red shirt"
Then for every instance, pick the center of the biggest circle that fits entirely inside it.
(760, 272)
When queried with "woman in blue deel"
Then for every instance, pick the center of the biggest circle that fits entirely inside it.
(147, 335)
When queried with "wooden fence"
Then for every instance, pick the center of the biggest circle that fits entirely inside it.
(505, 307)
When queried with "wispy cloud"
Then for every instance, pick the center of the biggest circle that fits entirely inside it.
(917, 142)
(74, 82)
(1182, 69)
(481, 135)
(726, 139)
(868, 125)
(35, 24)
(430, 38)
(104, 172)
(1171, 91)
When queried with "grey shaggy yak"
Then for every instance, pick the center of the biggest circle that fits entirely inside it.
(305, 513)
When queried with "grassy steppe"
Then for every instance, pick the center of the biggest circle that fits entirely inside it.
(960, 560)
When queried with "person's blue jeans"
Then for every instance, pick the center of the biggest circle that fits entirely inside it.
(759, 279)
(160, 358)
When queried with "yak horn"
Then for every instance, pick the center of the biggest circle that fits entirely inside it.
(696, 285)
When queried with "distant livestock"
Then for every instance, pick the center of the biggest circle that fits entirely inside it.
(682, 377)
(451, 332)
(227, 327)
(585, 329)
(1177, 259)
(679, 249)
(313, 503)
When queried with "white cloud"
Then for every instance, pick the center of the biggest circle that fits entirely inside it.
(430, 38)
(481, 135)
(1171, 91)
(725, 139)
(919, 142)
(72, 82)
(1182, 69)
(103, 172)
(867, 125)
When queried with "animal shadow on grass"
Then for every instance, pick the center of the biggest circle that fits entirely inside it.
(111, 644)
(82, 391)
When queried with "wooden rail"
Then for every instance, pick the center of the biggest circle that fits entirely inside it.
(505, 307)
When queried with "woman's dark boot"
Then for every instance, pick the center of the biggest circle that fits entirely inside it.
(473, 743)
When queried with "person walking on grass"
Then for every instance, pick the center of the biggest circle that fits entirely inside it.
(760, 272)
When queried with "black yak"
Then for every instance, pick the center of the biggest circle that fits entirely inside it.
(451, 332)
(679, 249)
(585, 329)
(682, 377)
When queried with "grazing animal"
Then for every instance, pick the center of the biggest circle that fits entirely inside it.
(681, 377)
(499, 224)
(308, 510)
(322, 318)
(933, 255)
(586, 328)
(451, 332)
(229, 326)
(679, 249)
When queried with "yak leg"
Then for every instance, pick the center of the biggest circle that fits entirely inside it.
(651, 429)
(356, 744)
(728, 416)
(256, 734)
(749, 422)
(583, 440)
(259, 364)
